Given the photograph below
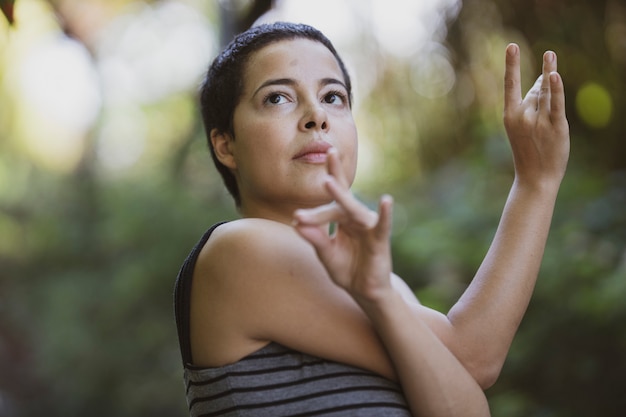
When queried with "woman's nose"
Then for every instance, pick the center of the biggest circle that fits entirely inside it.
(312, 124)
(314, 119)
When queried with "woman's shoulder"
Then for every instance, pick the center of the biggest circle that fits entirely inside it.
(249, 227)
(248, 275)
(252, 244)
(251, 235)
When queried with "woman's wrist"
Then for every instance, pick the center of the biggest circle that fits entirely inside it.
(542, 187)
(378, 305)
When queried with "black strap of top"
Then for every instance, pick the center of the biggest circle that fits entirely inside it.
(182, 296)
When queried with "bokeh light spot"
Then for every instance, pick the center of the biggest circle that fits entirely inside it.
(432, 74)
(594, 105)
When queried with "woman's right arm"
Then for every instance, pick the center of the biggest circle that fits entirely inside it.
(357, 257)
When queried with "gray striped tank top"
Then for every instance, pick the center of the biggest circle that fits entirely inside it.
(277, 381)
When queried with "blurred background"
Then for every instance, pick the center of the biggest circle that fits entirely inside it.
(106, 183)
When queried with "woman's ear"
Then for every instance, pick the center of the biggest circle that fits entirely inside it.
(222, 146)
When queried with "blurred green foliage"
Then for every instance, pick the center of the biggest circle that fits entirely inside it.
(88, 256)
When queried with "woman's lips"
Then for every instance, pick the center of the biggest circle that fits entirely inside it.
(314, 153)
(313, 158)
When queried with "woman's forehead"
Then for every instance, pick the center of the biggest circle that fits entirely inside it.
(291, 58)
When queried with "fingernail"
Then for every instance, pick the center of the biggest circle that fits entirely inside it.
(550, 56)
(554, 77)
(512, 49)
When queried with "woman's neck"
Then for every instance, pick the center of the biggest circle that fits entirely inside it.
(278, 213)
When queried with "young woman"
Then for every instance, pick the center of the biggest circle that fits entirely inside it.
(278, 317)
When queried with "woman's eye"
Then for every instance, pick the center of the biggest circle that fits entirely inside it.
(275, 98)
(334, 97)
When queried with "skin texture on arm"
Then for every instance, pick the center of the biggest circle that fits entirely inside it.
(480, 327)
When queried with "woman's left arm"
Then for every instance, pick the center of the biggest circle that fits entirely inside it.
(480, 327)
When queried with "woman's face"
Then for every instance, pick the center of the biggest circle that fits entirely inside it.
(293, 108)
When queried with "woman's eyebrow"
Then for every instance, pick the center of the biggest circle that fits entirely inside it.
(330, 81)
(276, 81)
(291, 82)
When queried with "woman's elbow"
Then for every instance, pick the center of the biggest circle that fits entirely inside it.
(485, 373)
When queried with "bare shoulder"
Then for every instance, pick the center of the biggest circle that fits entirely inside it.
(245, 240)
(258, 281)
(249, 253)
(243, 271)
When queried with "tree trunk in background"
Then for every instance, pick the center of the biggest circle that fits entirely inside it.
(236, 19)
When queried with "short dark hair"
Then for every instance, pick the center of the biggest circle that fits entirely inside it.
(222, 88)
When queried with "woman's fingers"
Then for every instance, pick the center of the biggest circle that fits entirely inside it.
(351, 210)
(385, 210)
(355, 212)
(319, 215)
(333, 165)
(512, 84)
(346, 209)
(531, 100)
(332, 212)
(549, 65)
(539, 97)
(557, 100)
(316, 235)
(322, 242)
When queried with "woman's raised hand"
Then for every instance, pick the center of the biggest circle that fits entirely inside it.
(536, 125)
(357, 255)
